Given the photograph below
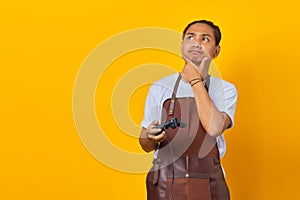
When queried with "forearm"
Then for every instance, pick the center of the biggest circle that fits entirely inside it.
(213, 121)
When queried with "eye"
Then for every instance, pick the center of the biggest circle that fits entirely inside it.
(189, 37)
(205, 39)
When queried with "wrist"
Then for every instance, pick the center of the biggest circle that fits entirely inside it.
(194, 81)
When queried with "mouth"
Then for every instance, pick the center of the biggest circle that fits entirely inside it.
(195, 52)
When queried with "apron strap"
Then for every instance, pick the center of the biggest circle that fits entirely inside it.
(172, 104)
(207, 82)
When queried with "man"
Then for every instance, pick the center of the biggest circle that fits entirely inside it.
(187, 158)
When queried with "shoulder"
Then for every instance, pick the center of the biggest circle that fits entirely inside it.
(167, 80)
(222, 85)
(165, 83)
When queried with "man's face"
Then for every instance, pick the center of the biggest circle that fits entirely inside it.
(199, 42)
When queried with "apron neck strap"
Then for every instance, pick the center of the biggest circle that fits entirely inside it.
(172, 104)
(207, 82)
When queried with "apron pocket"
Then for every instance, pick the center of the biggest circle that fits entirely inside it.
(188, 189)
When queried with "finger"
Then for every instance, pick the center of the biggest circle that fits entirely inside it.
(157, 138)
(151, 130)
(155, 131)
(154, 122)
(161, 137)
(205, 62)
(188, 62)
(164, 136)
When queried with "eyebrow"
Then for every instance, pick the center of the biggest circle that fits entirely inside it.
(204, 34)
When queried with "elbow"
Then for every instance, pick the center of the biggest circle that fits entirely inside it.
(217, 126)
(214, 133)
(215, 130)
(144, 146)
(147, 150)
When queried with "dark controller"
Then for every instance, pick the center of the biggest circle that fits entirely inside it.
(173, 123)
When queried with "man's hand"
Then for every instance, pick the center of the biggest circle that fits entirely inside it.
(192, 71)
(151, 133)
(148, 138)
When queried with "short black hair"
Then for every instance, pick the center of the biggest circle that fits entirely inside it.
(217, 32)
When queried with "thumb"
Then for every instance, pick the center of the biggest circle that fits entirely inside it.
(205, 59)
(154, 122)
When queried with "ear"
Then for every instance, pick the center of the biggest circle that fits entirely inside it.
(218, 49)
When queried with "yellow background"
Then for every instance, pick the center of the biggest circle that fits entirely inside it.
(43, 45)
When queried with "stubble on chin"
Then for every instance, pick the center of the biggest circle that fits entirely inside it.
(196, 60)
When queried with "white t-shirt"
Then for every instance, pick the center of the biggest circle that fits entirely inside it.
(222, 93)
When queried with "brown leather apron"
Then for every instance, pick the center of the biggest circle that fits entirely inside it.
(179, 172)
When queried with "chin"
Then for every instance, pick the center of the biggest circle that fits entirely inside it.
(196, 62)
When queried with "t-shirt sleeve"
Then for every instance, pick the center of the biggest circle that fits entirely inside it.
(152, 108)
(230, 101)
(225, 99)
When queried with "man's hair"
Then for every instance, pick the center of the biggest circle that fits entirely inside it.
(217, 32)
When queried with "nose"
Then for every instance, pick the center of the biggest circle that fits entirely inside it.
(196, 44)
